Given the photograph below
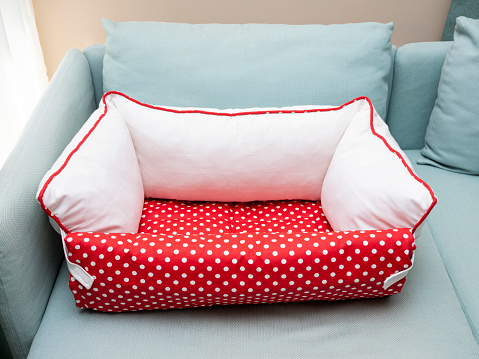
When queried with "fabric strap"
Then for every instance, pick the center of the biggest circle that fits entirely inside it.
(78, 272)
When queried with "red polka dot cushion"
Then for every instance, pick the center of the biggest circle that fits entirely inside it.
(202, 254)
(185, 218)
(348, 176)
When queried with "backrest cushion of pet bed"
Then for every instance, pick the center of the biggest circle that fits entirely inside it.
(129, 150)
(233, 155)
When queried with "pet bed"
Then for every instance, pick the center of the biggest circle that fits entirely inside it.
(163, 207)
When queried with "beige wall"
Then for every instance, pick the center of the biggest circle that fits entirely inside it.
(64, 24)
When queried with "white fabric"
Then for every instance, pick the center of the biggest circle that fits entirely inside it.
(138, 151)
(100, 188)
(368, 186)
(76, 270)
(23, 76)
(396, 277)
(253, 157)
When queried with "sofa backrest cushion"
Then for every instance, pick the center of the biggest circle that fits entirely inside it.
(452, 137)
(253, 65)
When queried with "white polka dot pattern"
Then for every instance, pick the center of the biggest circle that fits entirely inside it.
(238, 261)
(183, 217)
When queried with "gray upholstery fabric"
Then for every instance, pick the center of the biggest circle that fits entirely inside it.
(417, 69)
(454, 224)
(394, 51)
(250, 65)
(30, 251)
(5, 352)
(424, 321)
(94, 55)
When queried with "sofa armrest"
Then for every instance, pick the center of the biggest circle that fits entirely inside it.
(30, 250)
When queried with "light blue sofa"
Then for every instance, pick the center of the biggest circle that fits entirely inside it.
(435, 316)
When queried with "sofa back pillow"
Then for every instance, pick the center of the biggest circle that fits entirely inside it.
(252, 65)
(452, 136)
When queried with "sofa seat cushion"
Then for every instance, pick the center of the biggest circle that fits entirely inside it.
(424, 320)
(455, 227)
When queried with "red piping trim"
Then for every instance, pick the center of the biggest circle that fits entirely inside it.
(228, 114)
(42, 192)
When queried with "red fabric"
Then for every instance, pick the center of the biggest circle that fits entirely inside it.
(183, 217)
(233, 263)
